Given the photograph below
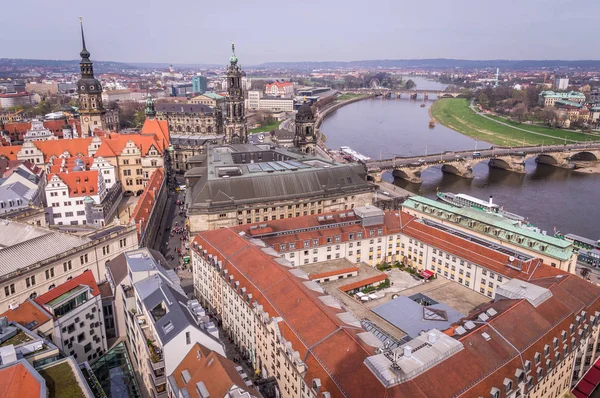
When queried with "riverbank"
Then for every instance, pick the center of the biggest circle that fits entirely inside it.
(456, 114)
(337, 105)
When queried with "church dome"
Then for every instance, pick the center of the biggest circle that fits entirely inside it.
(305, 110)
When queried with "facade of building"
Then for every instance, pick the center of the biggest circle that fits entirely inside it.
(210, 99)
(148, 212)
(35, 260)
(535, 337)
(38, 132)
(279, 89)
(236, 130)
(91, 110)
(199, 84)
(76, 306)
(241, 184)
(9, 100)
(186, 146)
(82, 197)
(549, 98)
(160, 324)
(256, 101)
(561, 83)
(553, 251)
(196, 118)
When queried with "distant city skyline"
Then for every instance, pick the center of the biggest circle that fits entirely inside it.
(192, 32)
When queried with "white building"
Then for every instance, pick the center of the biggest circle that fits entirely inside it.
(67, 194)
(280, 89)
(160, 323)
(78, 321)
(561, 83)
(256, 101)
(38, 132)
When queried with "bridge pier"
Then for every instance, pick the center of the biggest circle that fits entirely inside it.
(413, 96)
(408, 175)
(460, 169)
(426, 96)
(508, 163)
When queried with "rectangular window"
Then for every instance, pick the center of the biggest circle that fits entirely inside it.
(87, 347)
(50, 273)
(67, 266)
(188, 339)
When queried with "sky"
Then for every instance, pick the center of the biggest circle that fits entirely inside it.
(201, 31)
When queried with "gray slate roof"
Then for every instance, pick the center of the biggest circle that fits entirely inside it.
(258, 187)
(154, 291)
(25, 245)
(184, 108)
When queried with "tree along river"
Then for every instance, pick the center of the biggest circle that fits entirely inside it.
(550, 197)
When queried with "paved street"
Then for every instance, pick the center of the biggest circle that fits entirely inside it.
(169, 241)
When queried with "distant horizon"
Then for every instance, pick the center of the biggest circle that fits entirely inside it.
(76, 60)
(187, 32)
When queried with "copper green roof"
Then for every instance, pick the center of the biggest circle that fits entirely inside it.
(507, 230)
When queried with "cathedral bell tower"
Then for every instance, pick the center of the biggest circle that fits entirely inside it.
(236, 130)
(305, 138)
(91, 111)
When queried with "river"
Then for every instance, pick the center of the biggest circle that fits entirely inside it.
(550, 197)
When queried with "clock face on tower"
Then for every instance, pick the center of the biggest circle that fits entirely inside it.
(86, 119)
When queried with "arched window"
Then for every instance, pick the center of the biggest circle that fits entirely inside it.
(52, 286)
(33, 295)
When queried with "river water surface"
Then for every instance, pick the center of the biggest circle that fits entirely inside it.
(549, 197)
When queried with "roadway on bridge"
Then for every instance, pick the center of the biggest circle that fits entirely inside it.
(445, 157)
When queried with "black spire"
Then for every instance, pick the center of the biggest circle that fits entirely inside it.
(85, 65)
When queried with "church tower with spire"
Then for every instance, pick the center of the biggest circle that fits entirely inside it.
(236, 130)
(91, 111)
(150, 110)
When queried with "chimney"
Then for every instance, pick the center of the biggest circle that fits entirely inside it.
(407, 351)
(432, 338)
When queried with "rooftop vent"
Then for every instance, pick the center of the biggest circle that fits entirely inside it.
(491, 312)
(469, 325)
(460, 331)
(486, 336)
(483, 317)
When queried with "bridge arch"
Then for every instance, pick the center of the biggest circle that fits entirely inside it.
(451, 169)
(500, 163)
(585, 156)
(547, 158)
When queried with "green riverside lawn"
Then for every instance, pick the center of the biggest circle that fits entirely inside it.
(346, 96)
(265, 129)
(456, 114)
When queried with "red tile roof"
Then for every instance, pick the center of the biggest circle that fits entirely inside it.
(311, 326)
(80, 183)
(87, 278)
(10, 152)
(113, 144)
(142, 210)
(63, 164)
(28, 313)
(74, 147)
(214, 370)
(158, 128)
(16, 381)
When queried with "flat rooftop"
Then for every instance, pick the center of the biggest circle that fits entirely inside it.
(445, 291)
(357, 308)
(333, 267)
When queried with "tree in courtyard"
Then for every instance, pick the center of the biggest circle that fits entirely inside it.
(409, 85)
(519, 112)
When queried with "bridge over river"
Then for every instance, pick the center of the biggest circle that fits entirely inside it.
(398, 93)
(461, 163)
